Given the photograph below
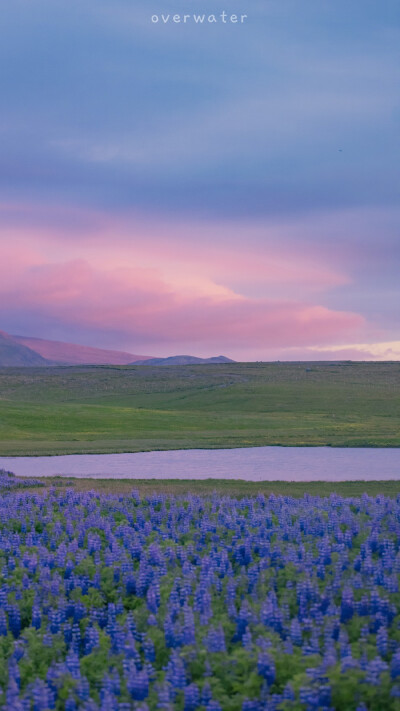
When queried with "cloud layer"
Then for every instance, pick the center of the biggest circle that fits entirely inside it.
(108, 295)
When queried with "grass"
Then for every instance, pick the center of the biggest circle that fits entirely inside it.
(139, 408)
(236, 488)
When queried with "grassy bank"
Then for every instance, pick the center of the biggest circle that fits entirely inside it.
(237, 488)
(139, 408)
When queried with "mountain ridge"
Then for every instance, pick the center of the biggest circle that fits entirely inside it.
(63, 353)
(18, 355)
(28, 351)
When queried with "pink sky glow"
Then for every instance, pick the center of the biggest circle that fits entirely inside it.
(138, 285)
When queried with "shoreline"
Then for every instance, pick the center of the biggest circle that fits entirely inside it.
(207, 487)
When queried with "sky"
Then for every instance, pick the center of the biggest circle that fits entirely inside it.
(216, 188)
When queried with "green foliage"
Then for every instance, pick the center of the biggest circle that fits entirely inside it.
(140, 408)
(36, 662)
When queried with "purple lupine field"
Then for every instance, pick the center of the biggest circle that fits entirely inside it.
(198, 603)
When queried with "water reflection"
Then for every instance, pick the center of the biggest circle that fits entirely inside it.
(252, 464)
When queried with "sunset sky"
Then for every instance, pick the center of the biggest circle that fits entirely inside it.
(203, 189)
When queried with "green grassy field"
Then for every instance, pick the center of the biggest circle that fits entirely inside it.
(235, 488)
(139, 408)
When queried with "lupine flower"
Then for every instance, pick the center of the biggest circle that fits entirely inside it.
(215, 639)
(395, 665)
(191, 697)
(276, 577)
(266, 667)
(374, 670)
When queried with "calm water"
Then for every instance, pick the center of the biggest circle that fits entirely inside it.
(253, 464)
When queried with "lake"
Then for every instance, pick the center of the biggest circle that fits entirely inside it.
(251, 464)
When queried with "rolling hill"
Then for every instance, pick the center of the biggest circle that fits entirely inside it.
(17, 354)
(23, 351)
(73, 354)
(76, 409)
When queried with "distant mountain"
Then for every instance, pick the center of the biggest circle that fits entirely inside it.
(183, 360)
(73, 354)
(25, 351)
(28, 351)
(16, 354)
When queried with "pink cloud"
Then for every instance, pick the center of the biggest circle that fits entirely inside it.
(139, 304)
(137, 283)
(243, 255)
